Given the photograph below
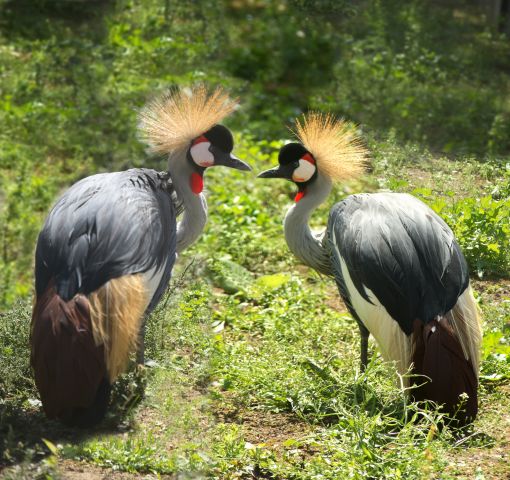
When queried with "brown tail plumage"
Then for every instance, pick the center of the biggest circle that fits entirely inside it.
(70, 369)
(79, 347)
(442, 371)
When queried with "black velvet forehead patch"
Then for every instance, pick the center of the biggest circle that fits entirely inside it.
(220, 137)
(291, 152)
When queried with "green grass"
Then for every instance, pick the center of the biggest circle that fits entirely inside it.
(73, 75)
(255, 364)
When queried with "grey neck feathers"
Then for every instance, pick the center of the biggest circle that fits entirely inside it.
(305, 245)
(194, 217)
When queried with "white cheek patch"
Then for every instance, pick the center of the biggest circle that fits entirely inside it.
(304, 172)
(201, 155)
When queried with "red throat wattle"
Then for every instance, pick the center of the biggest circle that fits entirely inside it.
(196, 183)
(299, 196)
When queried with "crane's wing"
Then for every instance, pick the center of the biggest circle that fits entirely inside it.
(399, 249)
(106, 226)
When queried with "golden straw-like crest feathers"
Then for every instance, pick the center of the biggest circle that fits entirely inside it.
(334, 144)
(171, 121)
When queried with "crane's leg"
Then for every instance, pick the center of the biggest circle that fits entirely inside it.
(140, 353)
(364, 345)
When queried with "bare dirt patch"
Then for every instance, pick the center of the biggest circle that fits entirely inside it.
(418, 177)
(334, 300)
(442, 175)
(271, 429)
(490, 459)
(495, 290)
(71, 470)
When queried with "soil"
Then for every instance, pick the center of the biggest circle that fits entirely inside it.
(270, 429)
(72, 470)
(493, 431)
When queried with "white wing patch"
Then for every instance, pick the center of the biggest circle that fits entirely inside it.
(394, 344)
(201, 155)
(465, 320)
(304, 172)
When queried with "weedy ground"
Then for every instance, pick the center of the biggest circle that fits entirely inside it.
(253, 367)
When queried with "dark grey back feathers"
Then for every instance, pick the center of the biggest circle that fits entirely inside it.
(402, 251)
(106, 226)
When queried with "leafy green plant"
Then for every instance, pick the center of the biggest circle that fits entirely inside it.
(258, 374)
(481, 227)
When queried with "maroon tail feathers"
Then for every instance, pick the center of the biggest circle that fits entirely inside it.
(70, 370)
(443, 373)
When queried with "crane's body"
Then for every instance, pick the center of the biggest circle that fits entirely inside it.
(105, 254)
(397, 266)
(98, 230)
(106, 230)
(401, 273)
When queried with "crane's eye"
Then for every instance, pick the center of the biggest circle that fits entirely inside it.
(295, 163)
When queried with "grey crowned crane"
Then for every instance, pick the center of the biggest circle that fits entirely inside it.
(396, 263)
(105, 254)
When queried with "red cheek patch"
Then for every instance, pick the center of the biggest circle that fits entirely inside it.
(299, 196)
(308, 158)
(200, 140)
(196, 183)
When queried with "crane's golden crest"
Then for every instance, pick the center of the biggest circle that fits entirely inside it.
(334, 144)
(171, 121)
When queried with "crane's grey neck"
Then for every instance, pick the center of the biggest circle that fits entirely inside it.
(303, 243)
(194, 217)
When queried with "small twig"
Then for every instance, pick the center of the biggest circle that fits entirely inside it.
(179, 283)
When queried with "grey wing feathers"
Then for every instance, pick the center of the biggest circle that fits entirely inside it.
(106, 226)
(402, 251)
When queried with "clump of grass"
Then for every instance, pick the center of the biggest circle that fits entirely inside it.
(359, 445)
(16, 382)
(140, 455)
(18, 394)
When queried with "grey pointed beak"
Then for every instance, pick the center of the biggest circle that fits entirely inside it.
(229, 160)
(272, 173)
(237, 163)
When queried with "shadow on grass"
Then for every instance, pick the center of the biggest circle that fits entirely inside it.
(37, 19)
(22, 427)
(23, 424)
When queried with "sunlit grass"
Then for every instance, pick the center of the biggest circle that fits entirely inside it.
(253, 363)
